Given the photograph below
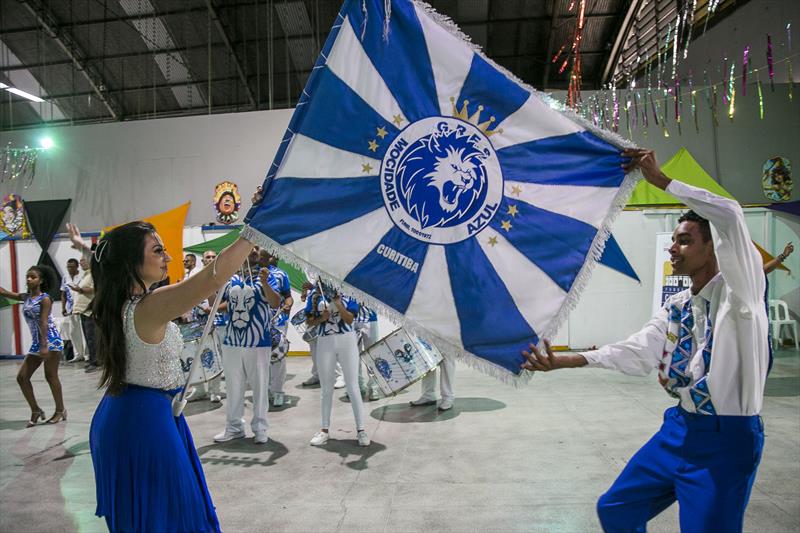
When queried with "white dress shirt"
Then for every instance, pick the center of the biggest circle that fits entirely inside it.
(739, 354)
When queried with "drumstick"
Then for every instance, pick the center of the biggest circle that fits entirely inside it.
(180, 399)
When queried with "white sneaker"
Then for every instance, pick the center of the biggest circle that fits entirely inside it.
(319, 438)
(363, 439)
(278, 400)
(446, 405)
(225, 436)
(215, 398)
(339, 384)
(261, 437)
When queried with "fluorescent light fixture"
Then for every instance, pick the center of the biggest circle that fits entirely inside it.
(24, 94)
(3, 85)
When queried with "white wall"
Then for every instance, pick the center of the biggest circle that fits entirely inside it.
(119, 172)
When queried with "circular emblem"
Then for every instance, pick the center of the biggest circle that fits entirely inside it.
(441, 180)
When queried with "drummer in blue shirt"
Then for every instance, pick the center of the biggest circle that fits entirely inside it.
(334, 315)
(279, 281)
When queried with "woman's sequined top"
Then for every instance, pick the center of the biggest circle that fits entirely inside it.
(157, 366)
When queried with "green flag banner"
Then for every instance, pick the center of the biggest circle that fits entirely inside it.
(296, 276)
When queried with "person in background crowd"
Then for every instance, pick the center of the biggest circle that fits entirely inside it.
(71, 324)
(190, 265)
(82, 307)
(279, 281)
(247, 345)
(334, 315)
(46, 345)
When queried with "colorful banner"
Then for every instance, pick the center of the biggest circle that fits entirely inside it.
(434, 187)
(169, 226)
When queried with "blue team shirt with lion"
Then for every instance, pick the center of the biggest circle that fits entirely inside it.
(334, 325)
(248, 314)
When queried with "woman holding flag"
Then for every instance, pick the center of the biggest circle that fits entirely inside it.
(147, 472)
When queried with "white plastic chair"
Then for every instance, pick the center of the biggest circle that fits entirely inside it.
(779, 316)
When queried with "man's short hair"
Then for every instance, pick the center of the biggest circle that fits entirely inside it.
(72, 261)
(189, 254)
(705, 227)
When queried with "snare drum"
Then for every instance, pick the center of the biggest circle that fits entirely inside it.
(298, 320)
(210, 356)
(400, 360)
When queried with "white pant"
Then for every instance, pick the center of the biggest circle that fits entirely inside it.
(241, 366)
(341, 348)
(447, 373)
(71, 330)
(277, 376)
(312, 346)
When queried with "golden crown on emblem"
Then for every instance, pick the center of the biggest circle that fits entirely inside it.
(475, 118)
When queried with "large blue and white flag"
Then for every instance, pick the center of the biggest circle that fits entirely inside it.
(436, 188)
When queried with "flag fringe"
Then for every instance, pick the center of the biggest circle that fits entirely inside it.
(445, 346)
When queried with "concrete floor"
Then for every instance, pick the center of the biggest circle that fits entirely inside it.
(504, 459)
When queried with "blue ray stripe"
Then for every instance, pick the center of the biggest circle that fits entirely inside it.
(491, 328)
(614, 257)
(337, 116)
(486, 86)
(299, 207)
(402, 61)
(575, 159)
(300, 109)
(557, 244)
(388, 277)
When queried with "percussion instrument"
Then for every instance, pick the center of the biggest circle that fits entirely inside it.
(210, 355)
(399, 360)
(298, 320)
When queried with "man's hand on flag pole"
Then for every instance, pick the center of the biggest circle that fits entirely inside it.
(544, 363)
(645, 160)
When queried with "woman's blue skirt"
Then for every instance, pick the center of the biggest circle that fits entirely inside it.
(146, 468)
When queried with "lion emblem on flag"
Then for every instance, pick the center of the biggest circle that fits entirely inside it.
(442, 177)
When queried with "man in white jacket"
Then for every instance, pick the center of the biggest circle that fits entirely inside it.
(709, 344)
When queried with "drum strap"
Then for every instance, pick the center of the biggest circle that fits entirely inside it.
(179, 401)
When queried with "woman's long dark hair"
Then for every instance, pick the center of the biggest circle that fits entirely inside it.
(116, 263)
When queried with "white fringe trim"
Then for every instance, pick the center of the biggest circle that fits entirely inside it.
(444, 345)
(571, 300)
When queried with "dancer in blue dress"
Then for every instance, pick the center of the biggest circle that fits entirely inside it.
(147, 472)
(46, 345)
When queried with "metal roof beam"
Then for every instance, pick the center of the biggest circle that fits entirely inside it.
(619, 41)
(48, 21)
(242, 77)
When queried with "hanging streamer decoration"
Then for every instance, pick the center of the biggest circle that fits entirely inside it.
(745, 65)
(575, 77)
(693, 102)
(731, 91)
(770, 66)
(725, 82)
(760, 96)
(789, 60)
(18, 163)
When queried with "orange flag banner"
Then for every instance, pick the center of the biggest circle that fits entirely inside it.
(169, 226)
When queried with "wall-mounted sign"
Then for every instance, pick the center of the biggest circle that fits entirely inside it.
(227, 202)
